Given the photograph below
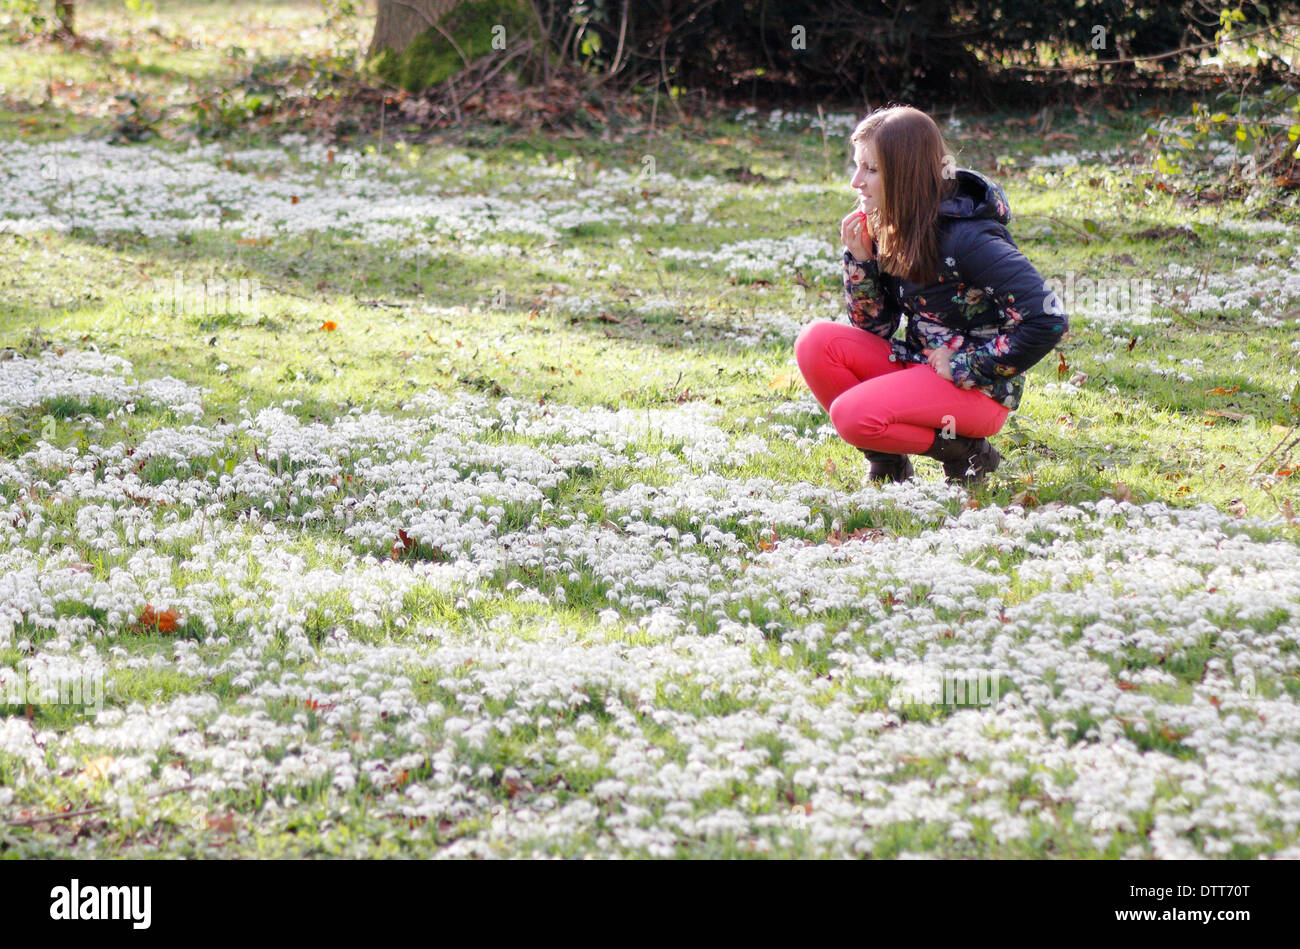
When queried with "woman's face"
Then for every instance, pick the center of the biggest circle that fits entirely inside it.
(866, 177)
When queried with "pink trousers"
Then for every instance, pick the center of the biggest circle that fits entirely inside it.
(882, 405)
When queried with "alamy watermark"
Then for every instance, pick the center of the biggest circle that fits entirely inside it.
(935, 685)
(208, 296)
(20, 689)
(75, 901)
(1073, 293)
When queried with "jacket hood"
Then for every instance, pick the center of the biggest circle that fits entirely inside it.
(976, 197)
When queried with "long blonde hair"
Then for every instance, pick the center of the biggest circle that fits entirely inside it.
(912, 160)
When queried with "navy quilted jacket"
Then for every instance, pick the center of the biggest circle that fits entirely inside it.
(988, 303)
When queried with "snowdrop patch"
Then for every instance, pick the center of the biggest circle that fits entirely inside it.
(412, 610)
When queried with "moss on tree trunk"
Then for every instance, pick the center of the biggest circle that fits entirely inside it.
(408, 52)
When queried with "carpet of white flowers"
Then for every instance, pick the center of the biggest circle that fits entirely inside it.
(483, 626)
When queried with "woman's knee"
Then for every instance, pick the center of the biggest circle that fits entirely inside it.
(812, 340)
(851, 421)
(988, 427)
(996, 428)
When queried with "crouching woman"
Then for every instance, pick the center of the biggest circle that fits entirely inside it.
(929, 241)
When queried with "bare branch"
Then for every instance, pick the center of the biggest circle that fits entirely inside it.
(1156, 56)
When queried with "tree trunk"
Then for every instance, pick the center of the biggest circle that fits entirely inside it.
(66, 11)
(400, 21)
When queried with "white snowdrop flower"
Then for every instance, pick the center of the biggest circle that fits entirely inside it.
(960, 830)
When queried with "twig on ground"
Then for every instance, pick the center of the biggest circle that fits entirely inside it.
(1055, 220)
(511, 54)
(1275, 448)
(48, 818)
(288, 293)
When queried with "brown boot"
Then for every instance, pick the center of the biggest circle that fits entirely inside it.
(887, 467)
(965, 460)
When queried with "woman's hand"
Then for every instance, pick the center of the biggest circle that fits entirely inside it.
(939, 360)
(855, 232)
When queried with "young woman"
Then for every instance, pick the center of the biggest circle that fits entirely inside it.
(928, 240)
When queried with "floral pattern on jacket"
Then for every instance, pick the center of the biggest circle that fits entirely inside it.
(988, 304)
